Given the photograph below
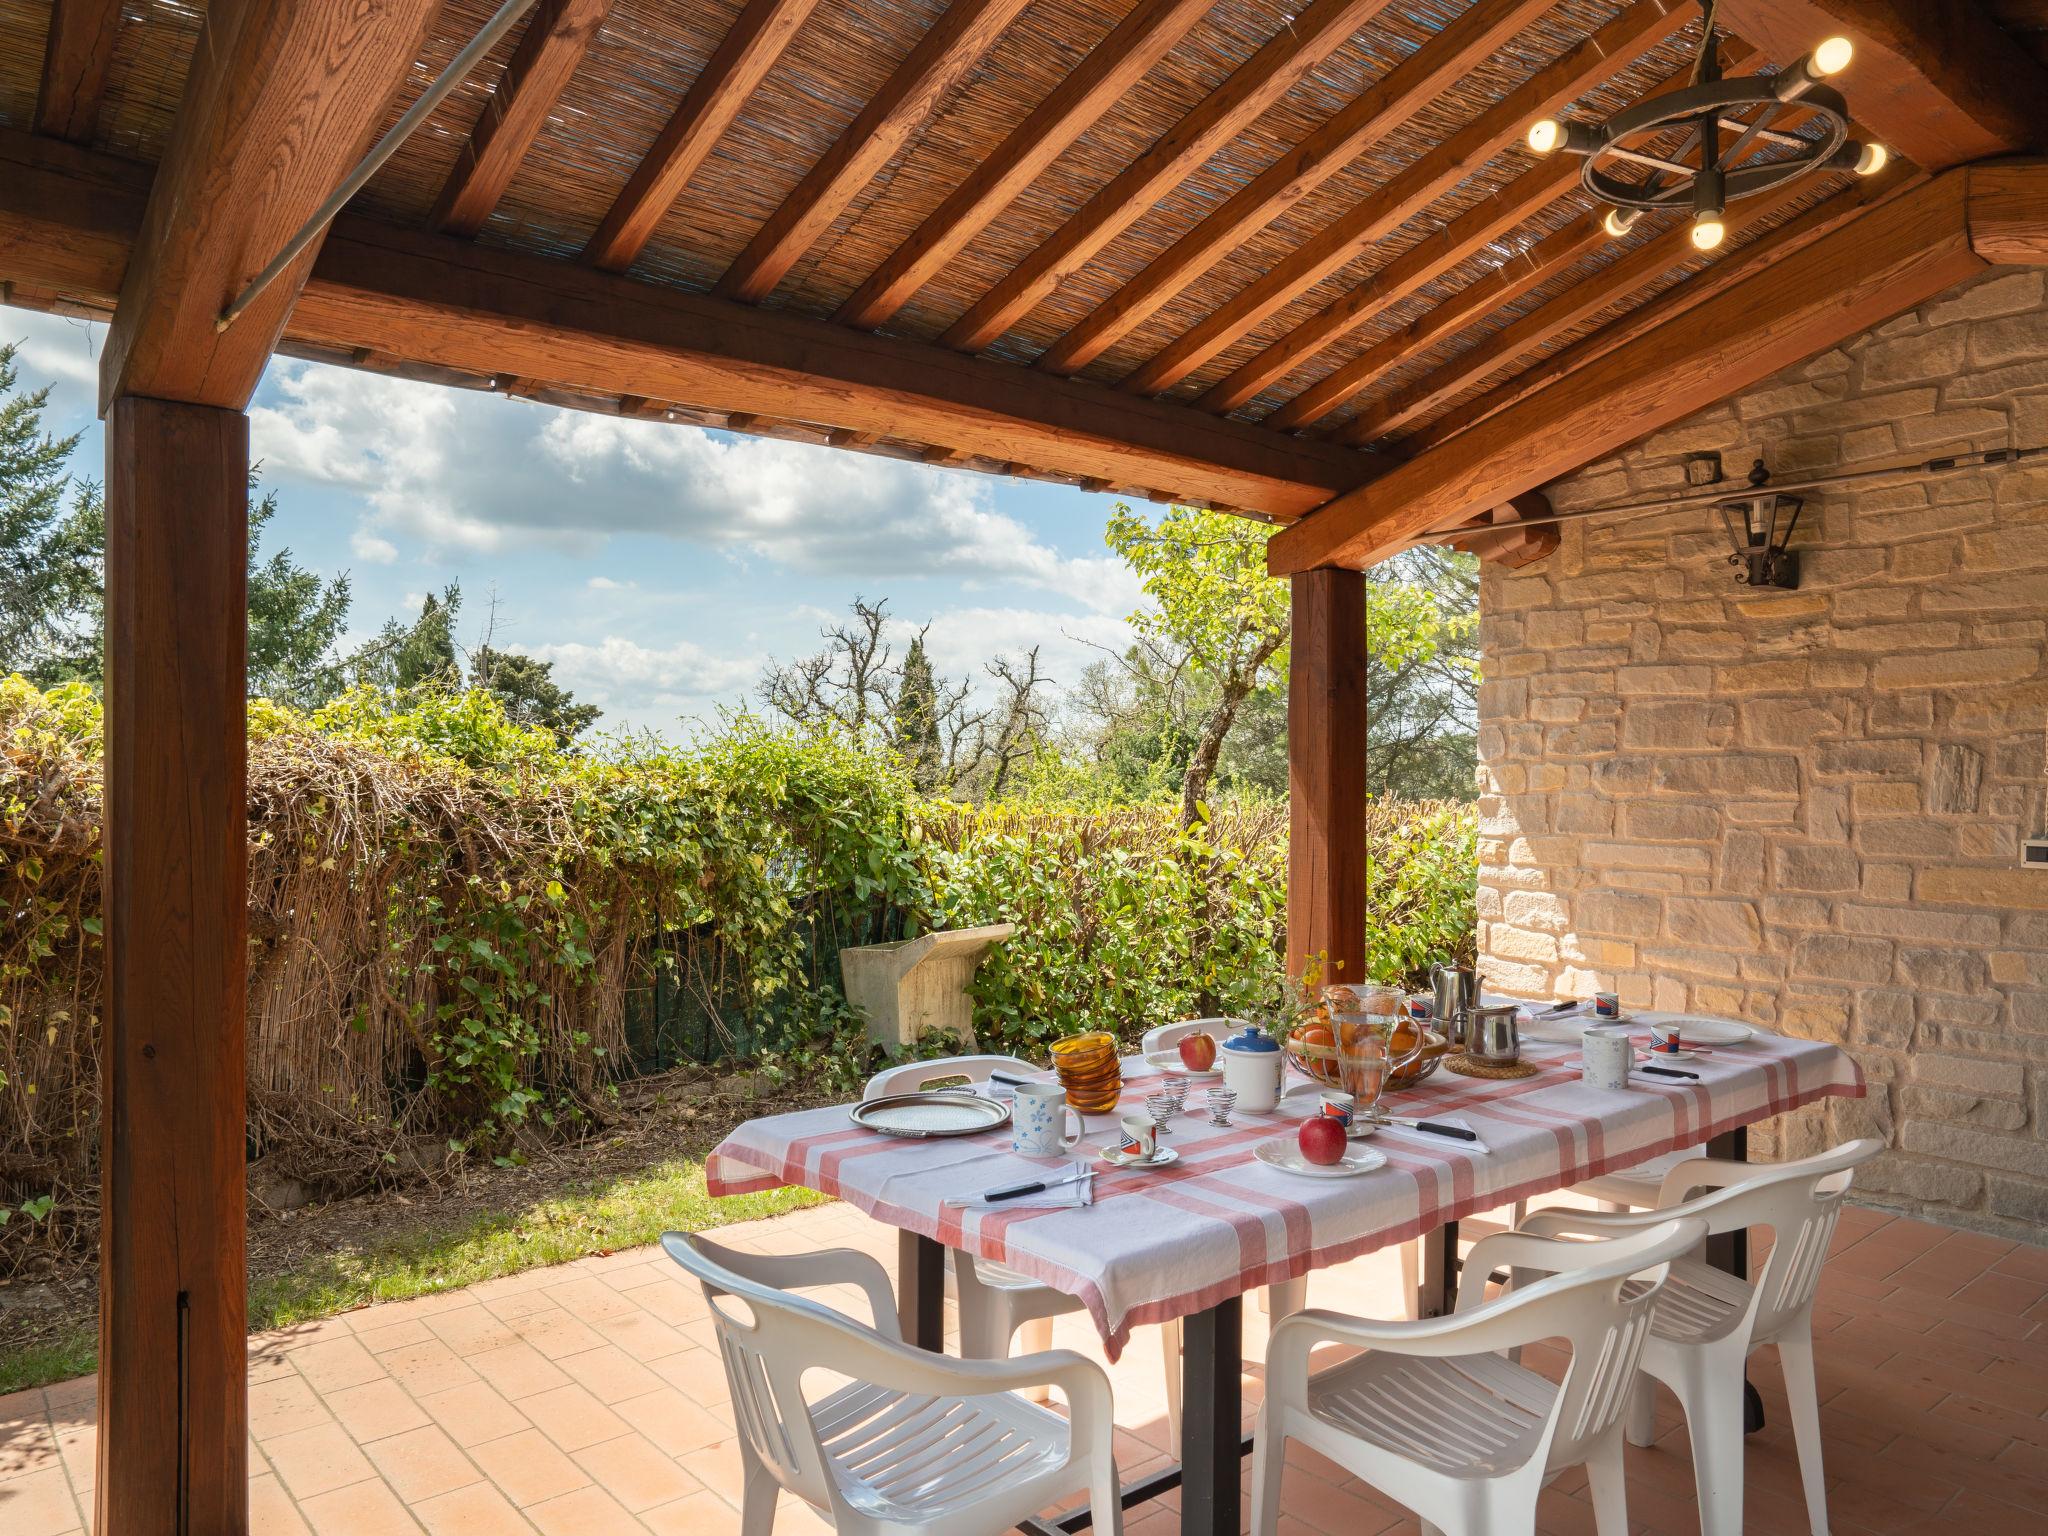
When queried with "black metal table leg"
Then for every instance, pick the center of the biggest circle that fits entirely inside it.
(1437, 1275)
(921, 1291)
(1729, 1252)
(1211, 1418)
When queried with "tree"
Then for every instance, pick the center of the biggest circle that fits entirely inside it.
(525, 685)
(914, 717)
(49, 554)
(1422, 675)
(950, 743)
(1215, 612)
(416, 655)
(296, 619)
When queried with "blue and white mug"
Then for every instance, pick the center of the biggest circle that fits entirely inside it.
(1038, 1117)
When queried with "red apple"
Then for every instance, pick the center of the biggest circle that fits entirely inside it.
(1198, 1051)
(1322, 1140)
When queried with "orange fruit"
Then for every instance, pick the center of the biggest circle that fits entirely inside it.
(1406, 1037)
(1315, 1034)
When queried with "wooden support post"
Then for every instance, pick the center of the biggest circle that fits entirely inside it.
(1326, 774)
(173, 1389)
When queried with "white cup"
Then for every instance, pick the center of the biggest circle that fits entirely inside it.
(1038, 1116)
(1137, 1137)
(1605, 1055)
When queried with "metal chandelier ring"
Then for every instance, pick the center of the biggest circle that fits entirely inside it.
(1688, 107)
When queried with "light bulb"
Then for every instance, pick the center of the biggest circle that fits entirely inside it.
(1708, 231)
(1833, 56)
(1619, 221)
(1545, 134)
(1874, 158)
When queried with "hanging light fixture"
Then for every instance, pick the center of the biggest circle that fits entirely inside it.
(1735, 139)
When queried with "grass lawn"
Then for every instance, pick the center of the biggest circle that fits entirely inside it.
(625, 1211)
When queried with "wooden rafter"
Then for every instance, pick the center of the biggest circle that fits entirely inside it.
(1410, 86)
(1415, 268)
(1558, 83)
(557, 34)
(1526, 271)
(281, 102)
(1938, 79)
(741, 61)
(1254, 86)
(1895, 256)
(1600, 290)
(1112, 67)
(1792, 235)
(956, 42)
(75, 60)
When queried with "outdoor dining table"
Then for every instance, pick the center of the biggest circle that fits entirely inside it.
(1187, 1240)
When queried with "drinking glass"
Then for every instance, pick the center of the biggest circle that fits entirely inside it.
(1090, 1070)
(1375, 1046)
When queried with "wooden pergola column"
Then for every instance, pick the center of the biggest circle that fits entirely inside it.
(1326, 774)
(173, 1404)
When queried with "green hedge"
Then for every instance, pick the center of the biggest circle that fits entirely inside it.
(461, 935)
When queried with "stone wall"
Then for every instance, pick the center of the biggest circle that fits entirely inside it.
(1805, 808)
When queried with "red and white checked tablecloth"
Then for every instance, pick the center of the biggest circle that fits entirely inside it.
(1216, 1223)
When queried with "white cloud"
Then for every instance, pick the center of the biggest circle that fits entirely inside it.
(371, 549)
(606, 584)
(647, 685)
(454, 470)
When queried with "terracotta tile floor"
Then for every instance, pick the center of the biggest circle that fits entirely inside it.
(589, 1398)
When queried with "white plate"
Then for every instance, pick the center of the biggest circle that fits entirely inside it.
(1653, 1057)
(1158, 1159)
(1284, 1153)
(939, 1113)
(1709, 1031)
(1169, 1061)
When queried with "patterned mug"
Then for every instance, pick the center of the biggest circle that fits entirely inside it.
(1138, 1137)
(1606, 1053)
(1039, 1115)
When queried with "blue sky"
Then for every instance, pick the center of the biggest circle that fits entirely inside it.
(659, 566)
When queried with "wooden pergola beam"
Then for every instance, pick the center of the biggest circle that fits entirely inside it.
(736, 67)
(954, 45)
(76, 55)
(281, 102)
(1112, 67)
(1477, 299)
(1792, 235)
(1897, 255)
(1418, 266)
(1600, 57)
(67, 218)
(1939, 79)
(1255, 85)
(1413, 84)
(557, 34)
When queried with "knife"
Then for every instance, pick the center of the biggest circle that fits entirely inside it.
(1434, 1127)
(1668, 1072)
(1037, 1186)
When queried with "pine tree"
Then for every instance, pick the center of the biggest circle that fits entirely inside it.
(526, 686)
(49, 556)
(915, 725)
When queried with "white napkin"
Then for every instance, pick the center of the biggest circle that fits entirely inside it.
(1063, 1197)
(1431, 1139)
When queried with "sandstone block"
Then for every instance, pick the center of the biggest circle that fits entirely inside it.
(1716, 924)
(1868, 759)
(1907, 836)
(2004, 888)
(1916, 1179)
(1985, 1149)
(1945, 970)
(1795, 722)
(1838, 957)
(1964, 1108)
(1956, 777)
(1816, 868)
(1663, 822)
(1677, 726)
(1884, 798)
(1957, 669)
(1663, 680)
(1921, 924)
(2018, 1199)
(1604, 855)
(1730, 773)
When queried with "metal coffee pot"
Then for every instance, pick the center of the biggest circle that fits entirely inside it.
(1491, 1034)
(1456, 988)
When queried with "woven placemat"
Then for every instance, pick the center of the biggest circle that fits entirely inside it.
(1468, 1066)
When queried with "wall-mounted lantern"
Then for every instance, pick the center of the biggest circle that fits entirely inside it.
(1760, 525)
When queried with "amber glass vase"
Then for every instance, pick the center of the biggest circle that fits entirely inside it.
(1090, 1070)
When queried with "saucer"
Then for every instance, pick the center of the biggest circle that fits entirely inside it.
(1361, 1128)
(1169, 1061)
(1654, 1055)
(1284, 1153)
(1158, 1159)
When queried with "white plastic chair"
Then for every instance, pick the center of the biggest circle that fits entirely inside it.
(914, 1441)
(1708, 1323)
(1435, 1415)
